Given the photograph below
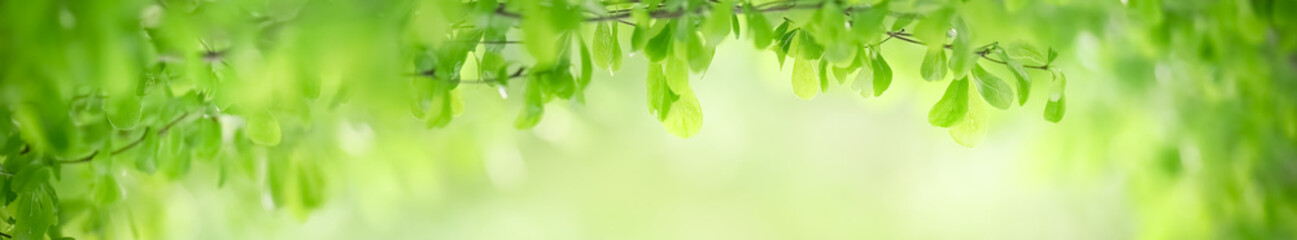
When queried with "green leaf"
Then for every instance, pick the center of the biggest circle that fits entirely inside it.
(759, 28)
(586, 71)
(717, 26)
(972, 129)
(993, 90)
(1022, 50)
(263, 129)
(311, 183)
(952, 107)
(123, 111)
(685, 118)
(677, 76)
(31, 178)
(1020, 74)
(867, 25)
(933, 28)
(903, 21)
(659, 46)
(1054, 109)
(146, 160)
(616, 51)
(36, 213)
(106, 190)
(807, 48)
(533, 105)
(882, 73)
(208, 141)
(785, 45)
(734, 24)
(603, 44)
(804, 83)
(934, 64)
(172, 154)
(962, 53)
(824, 75)
(1052, 55)
(279, 178)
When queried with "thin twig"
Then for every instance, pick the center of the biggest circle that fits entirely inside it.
(132, 145)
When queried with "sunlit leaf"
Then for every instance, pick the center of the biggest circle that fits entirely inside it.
(805, 85)
(952, 107)
(993, 90)
(934, 64)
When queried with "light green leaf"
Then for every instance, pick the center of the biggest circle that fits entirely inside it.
(903, 21)
(106, 190)
(972, 129)
(804, 83)
(311, 183)
(759, 27)
(533, 105)
(882, 73)
(867, 25)
(717, 26)
(603, 44)
(1054, 109)
(993, 90)
(952, 107)
(1023, 50)
(963, 56)
(616, 51)
(263, 129)
(36, 213)
(934, 64)
(685, 118)
(933, 27)
(208, 141)
(1020, 74)
(279, 177)
(123, 111)
(677, 76)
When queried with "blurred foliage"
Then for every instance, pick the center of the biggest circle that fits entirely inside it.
(106, 102)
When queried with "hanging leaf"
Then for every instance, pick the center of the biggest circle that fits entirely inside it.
(804, 82)
(1020, 74)
(962, 53)
(263, 129)
(882, 73)
(533, 105)
(685, 117)
(603, 45)
(934, 65)
(123, 111)
(952, 107)
(993, 90)
(759, 27)
(970, 131)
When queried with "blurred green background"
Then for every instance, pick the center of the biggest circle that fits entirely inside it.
(1181, 124)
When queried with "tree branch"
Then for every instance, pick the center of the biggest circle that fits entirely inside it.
(131, 145)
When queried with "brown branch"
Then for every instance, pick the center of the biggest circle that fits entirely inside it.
(984, 53)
